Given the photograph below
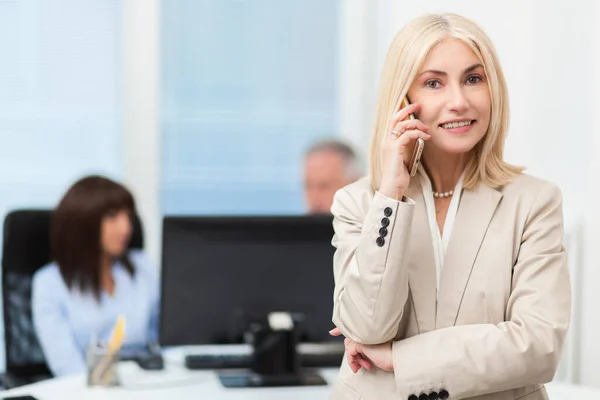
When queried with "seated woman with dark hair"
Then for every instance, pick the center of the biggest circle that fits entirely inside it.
(94, 278)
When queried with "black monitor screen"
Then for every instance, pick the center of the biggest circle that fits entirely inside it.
(219, 273)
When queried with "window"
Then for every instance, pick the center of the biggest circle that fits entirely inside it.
(59, 98)
(246, 87)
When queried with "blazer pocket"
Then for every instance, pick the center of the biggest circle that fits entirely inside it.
(341, 391)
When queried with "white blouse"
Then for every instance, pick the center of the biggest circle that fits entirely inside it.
(439, 242)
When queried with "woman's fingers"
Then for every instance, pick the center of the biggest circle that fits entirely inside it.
(363, 362)
(411, 124)
(353, 362)
(356, 359)
(404, 114)
(412, 135)
(335, 332)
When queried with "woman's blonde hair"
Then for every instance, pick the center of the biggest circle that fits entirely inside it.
(403, 62)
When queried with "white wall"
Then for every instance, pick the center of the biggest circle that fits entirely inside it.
(590, 344)
(141, 69)
(549, 51)
(358, 69)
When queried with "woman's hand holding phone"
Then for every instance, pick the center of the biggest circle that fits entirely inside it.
(397, 146)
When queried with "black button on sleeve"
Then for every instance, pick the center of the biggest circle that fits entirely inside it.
(433, 396)
(383, 232)
(444, 394)
(387, 211)
(380, 241)
(385, 222)
(423, 396)
(413, 397)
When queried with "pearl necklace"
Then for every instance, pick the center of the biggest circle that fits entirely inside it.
(445, 194)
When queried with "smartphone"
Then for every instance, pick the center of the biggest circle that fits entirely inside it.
(412, 158)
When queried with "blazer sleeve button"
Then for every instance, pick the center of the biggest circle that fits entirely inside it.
(387, 211)
(423, 396)
(380, 241)
(444, 394)
(383, 232)
(433, 396)
(385, 222)
(413, 397)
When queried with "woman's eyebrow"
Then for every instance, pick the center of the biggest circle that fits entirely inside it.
(442, 73)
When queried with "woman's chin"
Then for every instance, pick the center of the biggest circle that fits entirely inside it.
(117, 251)
(456, 145)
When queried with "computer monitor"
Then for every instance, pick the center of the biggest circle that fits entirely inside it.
(219, 273)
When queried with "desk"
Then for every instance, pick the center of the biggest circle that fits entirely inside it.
(176, 382)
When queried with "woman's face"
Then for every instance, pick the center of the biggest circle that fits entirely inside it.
(453, 91)
(116, 231)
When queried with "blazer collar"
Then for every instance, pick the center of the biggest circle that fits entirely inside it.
(421, 266)
(475, 211)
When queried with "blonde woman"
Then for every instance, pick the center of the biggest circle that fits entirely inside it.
(451, 284)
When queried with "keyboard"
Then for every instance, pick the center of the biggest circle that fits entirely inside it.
(321, 360)
(239, 361)
(217, 361)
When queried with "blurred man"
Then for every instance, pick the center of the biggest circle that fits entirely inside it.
(328, 166)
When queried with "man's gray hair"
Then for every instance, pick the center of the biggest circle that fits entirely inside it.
(343, 149)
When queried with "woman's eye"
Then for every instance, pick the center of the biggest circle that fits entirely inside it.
(473, 79)
(433, 84)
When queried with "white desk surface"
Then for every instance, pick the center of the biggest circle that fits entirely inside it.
(176, 382)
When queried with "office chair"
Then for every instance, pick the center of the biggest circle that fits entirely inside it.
(26, 248)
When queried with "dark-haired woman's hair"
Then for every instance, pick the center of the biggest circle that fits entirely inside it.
(75, 237)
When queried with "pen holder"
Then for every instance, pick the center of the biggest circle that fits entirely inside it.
(102, 367)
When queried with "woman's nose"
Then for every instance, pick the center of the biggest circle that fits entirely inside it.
(458, 101)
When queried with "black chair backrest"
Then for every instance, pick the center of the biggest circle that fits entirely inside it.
(25, 249)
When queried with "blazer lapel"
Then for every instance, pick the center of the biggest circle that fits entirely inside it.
(421, 267)
(475, 211)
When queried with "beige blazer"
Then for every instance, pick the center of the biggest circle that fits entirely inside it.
(504, 303)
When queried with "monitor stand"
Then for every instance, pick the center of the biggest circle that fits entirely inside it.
(248, 379)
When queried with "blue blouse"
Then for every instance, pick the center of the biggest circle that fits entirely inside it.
(66, 321)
